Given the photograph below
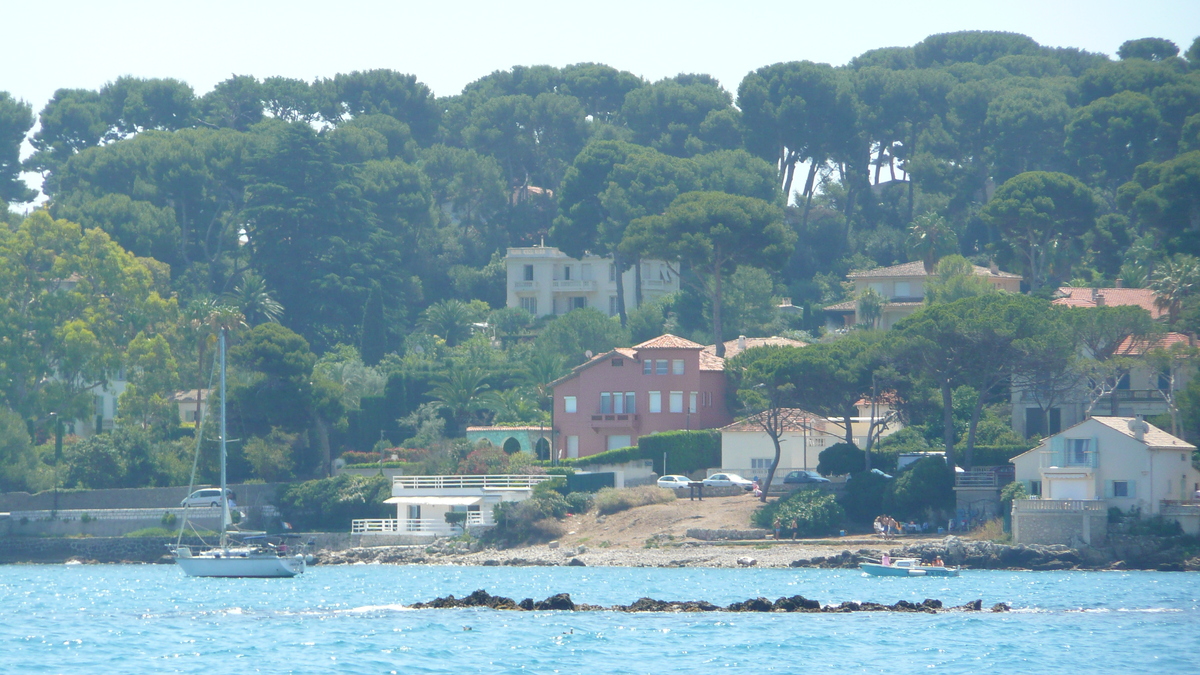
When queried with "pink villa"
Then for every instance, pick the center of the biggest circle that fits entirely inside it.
(664, 384)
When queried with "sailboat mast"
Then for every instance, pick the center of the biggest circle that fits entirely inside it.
(225, 519)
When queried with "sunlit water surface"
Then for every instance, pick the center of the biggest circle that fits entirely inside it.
(151, 619)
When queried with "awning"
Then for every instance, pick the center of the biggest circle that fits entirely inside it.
(435, 501)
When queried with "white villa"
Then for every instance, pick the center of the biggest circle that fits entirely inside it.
(422, 503)
(747, 449)
(545, 281)
(1075, 476)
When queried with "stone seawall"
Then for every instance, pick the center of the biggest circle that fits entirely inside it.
(90, 549)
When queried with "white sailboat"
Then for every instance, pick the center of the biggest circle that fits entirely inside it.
(254, 556)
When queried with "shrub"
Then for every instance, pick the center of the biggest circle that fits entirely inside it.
(687, 451)
(534, 519)
(329, 504)
(580, 502)
(840, 459)
(863, 498)
(814, 513)
(485, 459)
(927, 485)
(613, 500)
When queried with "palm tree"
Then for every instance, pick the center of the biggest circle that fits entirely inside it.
(252, 298)
(461, 390)
(1175, 280)
(206, 318)
(870, 307)
(929, 238)
(542, 368)
(450, 319)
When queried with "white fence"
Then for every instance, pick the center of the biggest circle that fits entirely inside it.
(411, 525)
(1032, 505)
(485, 482)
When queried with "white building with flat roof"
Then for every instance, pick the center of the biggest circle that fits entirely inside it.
(545, 281)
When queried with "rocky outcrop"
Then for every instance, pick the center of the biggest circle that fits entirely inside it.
(844, 560)
(794, 604)
(992, 556)
(727, 535)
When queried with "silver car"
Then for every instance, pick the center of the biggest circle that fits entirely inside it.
(728, 480)
(674, 482)
(207, 497)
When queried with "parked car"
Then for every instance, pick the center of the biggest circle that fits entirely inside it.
(727, 480)
(208, 497)
(674, 482)
(804, 478)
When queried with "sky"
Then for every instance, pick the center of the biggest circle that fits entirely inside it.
(55, 43)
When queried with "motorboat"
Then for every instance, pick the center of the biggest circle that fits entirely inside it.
(906, 567)
(238, 553)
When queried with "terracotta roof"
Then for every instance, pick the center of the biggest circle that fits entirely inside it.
(1154, 438)
(917, 269)
(732, 349)
(669, 341)
(847, 306)
(620, 351)
(711, 362)
(1111, 297)
(794, 419)
(885, 398)
(1132, 347)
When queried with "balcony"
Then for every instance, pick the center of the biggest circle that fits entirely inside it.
(475, 482)
(1057, 505)
(976, 480)
(583, 285)
(524, 285)
(1069, 460)
(417, 526)
(624, 421)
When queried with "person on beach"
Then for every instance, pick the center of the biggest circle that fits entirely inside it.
(795, 526)
(778, 526)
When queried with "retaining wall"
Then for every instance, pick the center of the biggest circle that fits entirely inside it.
(248, 494)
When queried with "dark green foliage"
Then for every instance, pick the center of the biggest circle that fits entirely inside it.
(864, 495)
(374, 337)
(1150, 49)
(579, 331)
(927, 486)
(16, 119)
(580, 502)
(997, 455)
(687, 451)
(840, 459)
(815, 513)
(329, 504)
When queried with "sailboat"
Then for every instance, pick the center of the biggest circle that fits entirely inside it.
(254, 556)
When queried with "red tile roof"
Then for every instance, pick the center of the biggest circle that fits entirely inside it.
(794, 419)
(917, 269)
(1134, 347)
(1112, 297)
(669, 341)
(732, 349)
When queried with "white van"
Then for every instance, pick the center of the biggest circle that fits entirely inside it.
(208, 497)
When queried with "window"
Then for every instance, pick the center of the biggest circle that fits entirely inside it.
(708, 399)
(1078, 451)
(903, 290)
(1035, 488)
(1120, 488)
(606, 403)
(677, 401)
(660, 367)
(677, 367)
(617, 441)
(529, 305)
(612, 272)
(618, 402)
(566, 272)
(760, 464)
(1164, 380)
(100, 406)
(647, 366)
(529, 273)
(692, 402)
(1123, 383)
(630, 403)
(618, 362)
(578, 303)
(569, 404)
(656, 401)
(572, 446)
(612, 305)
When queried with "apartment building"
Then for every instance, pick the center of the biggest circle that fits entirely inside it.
(545, 281)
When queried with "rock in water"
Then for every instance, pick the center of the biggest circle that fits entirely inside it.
(747, 562)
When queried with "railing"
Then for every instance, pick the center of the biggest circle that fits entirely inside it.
(1029, 505)
(522, 285)
(623, 420)
(574, 285)
(411, 525)
(1069, 459)
(976, 479)
(491, 481)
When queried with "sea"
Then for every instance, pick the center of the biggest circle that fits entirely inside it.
(356, 619)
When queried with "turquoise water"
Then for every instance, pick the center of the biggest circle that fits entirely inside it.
(151, 619)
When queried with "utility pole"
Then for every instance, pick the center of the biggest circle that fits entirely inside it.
(58, 429)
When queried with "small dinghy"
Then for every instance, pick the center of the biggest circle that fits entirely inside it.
(907, 567)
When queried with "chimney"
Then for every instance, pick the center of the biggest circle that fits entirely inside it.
(994, 268)
(1120, 283)
(741, 343)
(1139, 428)
(1098, 298)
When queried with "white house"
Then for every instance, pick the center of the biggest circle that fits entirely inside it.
(903, 289)
(423, 501)
(747, 449)
(545, 281)
(187, 401)
(1076, 475)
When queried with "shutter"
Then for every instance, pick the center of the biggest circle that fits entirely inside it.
(1094, 458)
(1109, 492)
(1132, 488)
(1058, 451)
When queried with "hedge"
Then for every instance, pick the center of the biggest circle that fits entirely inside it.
(991, 455)
(687, 451)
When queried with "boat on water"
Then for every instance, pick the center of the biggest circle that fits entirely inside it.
(907, 567)
(239, 553)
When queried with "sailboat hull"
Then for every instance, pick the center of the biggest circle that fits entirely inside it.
(235, 563)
